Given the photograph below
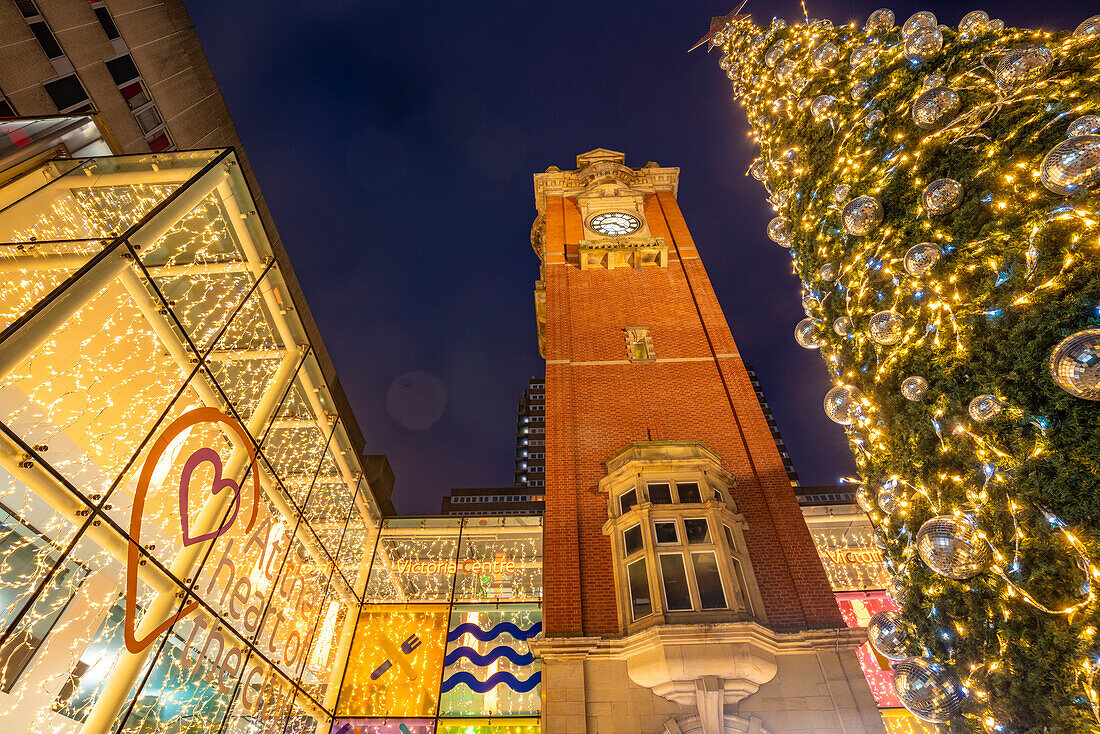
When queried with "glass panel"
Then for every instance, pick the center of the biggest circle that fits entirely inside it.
(741, 587)
(500, 559)
(632, 538)
(91, 669)
(660, 494)
(627, 500)
(484, 726)
(263, 700)
(415, 560)
(688, 492)
(666, 532)
(711, 595)
(30, 271)
(729, 538)
(697, 530)
(677, 597)
(489, 668)
(383, 726)
(640, 603)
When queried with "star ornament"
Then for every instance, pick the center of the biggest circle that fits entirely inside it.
(718, 23)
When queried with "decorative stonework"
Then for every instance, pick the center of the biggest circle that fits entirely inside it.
(630, 252)
(639, 344)
(602, 167)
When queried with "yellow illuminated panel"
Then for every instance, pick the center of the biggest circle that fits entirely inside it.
(396, 661)
(900, 721)
(488, 726)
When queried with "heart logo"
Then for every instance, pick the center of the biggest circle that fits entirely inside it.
(200, 456)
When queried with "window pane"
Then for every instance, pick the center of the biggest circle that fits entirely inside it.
(160, 143)
(135, 95)
(697, 530)
(148, 118)
(27, 8)
(105, 21)
(633, 539)
(66, 92)
(627, 500)
(6, 109)
(45, 39)
(674, 575)
(729, 538)
(710, 583)
(660, 494)
(689, 492)
(122, 69)
(640, 605)
(740, 588)
(666, 532)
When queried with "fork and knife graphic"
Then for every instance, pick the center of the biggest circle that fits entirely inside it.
(393, 653)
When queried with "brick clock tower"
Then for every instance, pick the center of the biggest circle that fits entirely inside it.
(682, 587)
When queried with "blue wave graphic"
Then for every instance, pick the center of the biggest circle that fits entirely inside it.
(496, 653)
(496, 631)
(520, 686)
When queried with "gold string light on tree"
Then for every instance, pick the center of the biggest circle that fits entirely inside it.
(937, 189)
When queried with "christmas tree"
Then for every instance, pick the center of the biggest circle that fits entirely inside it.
(939, 190)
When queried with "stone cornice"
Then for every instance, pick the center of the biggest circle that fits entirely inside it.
(599, 166)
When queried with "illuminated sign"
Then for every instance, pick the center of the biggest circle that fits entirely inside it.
(857, 554)
(495, 566)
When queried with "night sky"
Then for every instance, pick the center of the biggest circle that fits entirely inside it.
(395, 144)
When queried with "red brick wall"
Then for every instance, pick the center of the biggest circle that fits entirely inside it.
(593, 411)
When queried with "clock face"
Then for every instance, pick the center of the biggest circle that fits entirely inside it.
(614, 224)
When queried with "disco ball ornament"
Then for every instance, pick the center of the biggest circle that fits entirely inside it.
(887, 632)
(840, 193)
(874, 118)
(861, 55)
(827, 272)
(1090, 28)
(897, 590)
(984, 408)
(785, 71)
(1072, 165)
(773, 54)
(863, 499)
(843, 326)
(1084, 125)
(997, 25)
(923, 44)
(1024, 65)
(880, 20)
(809, 303)
(974, 24)
(808, 335)
(951, 547)
(825, 56)
(919, 259)
(886, 327)
(779, 231)
(933, 80)
(1075, 364)
(778, 24)
(822, 106)
(887, 500)
(927, 690)
(936, 107)
(918, 21)
(780, 198)
(758, 170)
(725, 62)
(861, 215)
(860, 90)
(843, 404)
(942, 196)
(914, 388)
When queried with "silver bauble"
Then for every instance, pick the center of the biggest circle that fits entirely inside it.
(1072, 165)
(951, 547)
(810, 302)
(825, 56)
(822, 106)
(779, 231)
(914, 388)
(778, 24)
(863, 499)
(860, 90)
(936, 107)
(1089, 28)
(984, 408)
(887, 500)
(758, 169)
(861, 215)
(886, 327)
(923, 44)
(785, 71)
(843, 326)
(919, 259)
(887, 632)
(942, 196)
(808, 335)
(725, 62)
(927, 690)
(1084, 125)
(1024, 65)
(874, 118)
(840, 193)
(932, 81)
(861, 55)
(1075, 364)
(898, 590)
(918, 21)
(974, 24)
(996, 26)
(803, 103)
(827, 272)
(773, 54)
(843, 404)
(880, 20)
(780, 198)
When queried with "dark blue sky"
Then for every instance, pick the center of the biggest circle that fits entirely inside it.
(395, 144)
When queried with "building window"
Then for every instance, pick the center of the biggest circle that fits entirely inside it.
(688, 492)
(107, 22)
(640, 603)
(660, 494)
(66, 92)
(709, 580)
(46, 40)
(632, 539)
(6, 110)
(627, 500)
(696, 530)
(674, 582)
(122, 69)
(665, 532)
(639, 345)
(135, 95)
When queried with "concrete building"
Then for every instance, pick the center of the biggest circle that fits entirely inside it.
(489, 501)
(769, 418)
(531, 436)
(683, 589)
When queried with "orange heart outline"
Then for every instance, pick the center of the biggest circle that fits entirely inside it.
(185, 421)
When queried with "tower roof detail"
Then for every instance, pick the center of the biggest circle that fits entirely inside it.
(601, 166)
